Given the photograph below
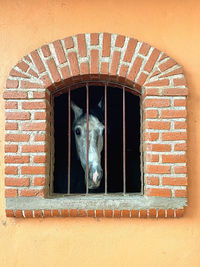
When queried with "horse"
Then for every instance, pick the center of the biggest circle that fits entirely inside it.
(95, 142)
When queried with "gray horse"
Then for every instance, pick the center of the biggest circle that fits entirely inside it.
(95, 144)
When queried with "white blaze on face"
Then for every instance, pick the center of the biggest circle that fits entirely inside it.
(95, 175)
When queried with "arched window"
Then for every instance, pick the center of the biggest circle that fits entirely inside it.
(123, 64)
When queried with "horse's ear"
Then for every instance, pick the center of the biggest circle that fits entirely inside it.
(101, 104)
(77, 111)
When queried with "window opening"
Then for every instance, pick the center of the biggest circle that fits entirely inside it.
(97, 148)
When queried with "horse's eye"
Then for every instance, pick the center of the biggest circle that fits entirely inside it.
(78, 131)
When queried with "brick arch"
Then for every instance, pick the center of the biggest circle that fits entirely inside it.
(96, 56)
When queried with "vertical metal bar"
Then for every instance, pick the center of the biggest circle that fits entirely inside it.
(87, 111)
(124, 142)
(69, 139)
(105, 131)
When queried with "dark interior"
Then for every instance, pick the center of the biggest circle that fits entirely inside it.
(115, 141)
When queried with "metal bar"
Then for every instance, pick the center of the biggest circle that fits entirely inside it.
(87, 111)
(124, 142)
(106, 152)
(69, 139)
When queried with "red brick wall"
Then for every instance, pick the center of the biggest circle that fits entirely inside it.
(157, 77)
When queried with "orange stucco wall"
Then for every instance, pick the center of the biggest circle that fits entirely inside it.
(171, 26)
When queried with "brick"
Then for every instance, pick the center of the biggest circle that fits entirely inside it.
(31, 192)
(73, 63)
(180, 193)
(151, 136)
(82, 213)
(18, 214)
(27, 58)
(11, 193)
(122, 73)
(180, 169)
(120, 41)
(18, 116)
(155, 73)
(15, 95)
(174, 181)
(176, 92)
(17, 181)
(55, 213)
(142, 78)
(152, 60)
(33, 169)
(12, 84)
(11, 105)
(144, 49)
(179, 213)
(130, 50)
(151, 92)
(81, 45)
(152, 213)
(9, 213)
(163, 82)
(47, 213)
(115, 63)
(11, 148)
(163, 57)
(59, 51)
(47, 82)
(158, 169)
(38, 62)
(135, 69)
(73, 212)
(179, 102)
(180, 125)
(46, 51)
(170, 213)
(151, 114)
(39, 181)
(17, 159)
(38, 214)
(84, 68)
(158, 192)
(158, 125)
(40, 159)
(104, 68)
(117, 213)
(126, 213)
(30, 85)
(108, 213)
(166, 65)
(180, 147)
(15, 73)
(173, 72)
(173, 158)
(28, 213)
(40, 137)
(94, 62)
(158, 147)
(11, 126)
(94, 39)
(90, 213)
(179, 82)
(23, 66)
(17, 137)
(69, 42)
(143, 214)
(64, 213)
(99, 213)
(106, 45)
(173, 136)
(161, 213)
(154, 102)
(134, 213)
(151, 157)
(54, 71)
(34, 126)
(34, 105)
(40, 116)
(152, 180)
(169, 114)
(65, 72)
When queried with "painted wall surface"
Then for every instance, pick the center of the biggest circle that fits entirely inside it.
(171, 26)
